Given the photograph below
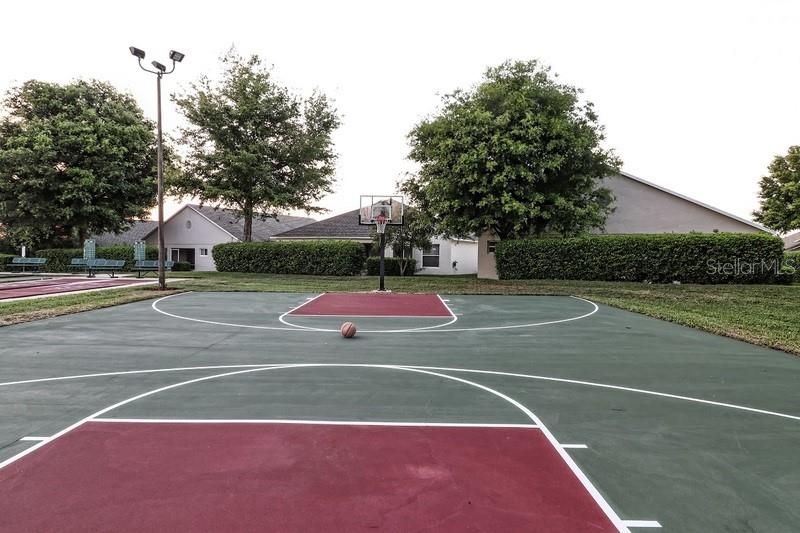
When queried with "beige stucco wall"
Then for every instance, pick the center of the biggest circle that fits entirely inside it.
(201, 234)
(486, 264)
(641, 208)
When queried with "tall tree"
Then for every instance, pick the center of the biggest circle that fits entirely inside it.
(780, 193)
(75, 159)
(253, 145)
(415, 233)
(519, 155)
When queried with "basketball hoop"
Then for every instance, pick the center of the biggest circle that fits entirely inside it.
(380, 223)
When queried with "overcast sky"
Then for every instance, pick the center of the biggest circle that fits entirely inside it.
(695, 96)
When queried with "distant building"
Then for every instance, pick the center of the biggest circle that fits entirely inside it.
(191, 233)
(445, 257)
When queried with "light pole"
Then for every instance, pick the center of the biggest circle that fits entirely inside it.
(160, 71)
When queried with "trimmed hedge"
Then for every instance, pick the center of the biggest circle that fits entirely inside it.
(324, 258)
(391, 266)
(58, 259)
(663, 258)
(181, 266)
(4, 259)
(791, 267)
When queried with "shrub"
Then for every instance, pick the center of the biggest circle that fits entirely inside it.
(791, 267)
(181, 266)
(325, 258)
(664, 258)
(4, 259)
(391, 266)
(58, 259)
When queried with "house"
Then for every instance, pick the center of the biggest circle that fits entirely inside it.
(446, 256)
(643, 207)
(791, 243)
(191, 233)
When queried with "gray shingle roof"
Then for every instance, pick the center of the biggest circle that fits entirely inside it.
(137, 232)
(344, 226)
(262, 229)
(792, 241)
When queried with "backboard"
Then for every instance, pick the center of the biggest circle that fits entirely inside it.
(373, 206)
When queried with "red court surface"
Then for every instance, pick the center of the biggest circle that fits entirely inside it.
(373, 304)
(21, 289)
(134, 476)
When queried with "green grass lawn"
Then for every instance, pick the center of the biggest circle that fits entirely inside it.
(767, 315)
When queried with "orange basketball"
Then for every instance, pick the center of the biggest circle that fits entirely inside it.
(348, 330)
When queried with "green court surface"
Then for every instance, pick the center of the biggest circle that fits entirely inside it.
(678, 430)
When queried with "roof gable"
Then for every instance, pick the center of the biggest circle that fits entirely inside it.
(233, 224)
(695, 202)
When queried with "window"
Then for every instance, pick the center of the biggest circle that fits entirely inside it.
(188, 224)
(203, 251)
(430, 257)
(490, 246)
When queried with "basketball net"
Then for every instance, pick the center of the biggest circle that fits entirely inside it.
(380, 223)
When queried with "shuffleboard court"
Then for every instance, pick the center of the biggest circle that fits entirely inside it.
(44, 287)
(514, 413)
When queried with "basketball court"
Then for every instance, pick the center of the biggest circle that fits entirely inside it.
(244, 411)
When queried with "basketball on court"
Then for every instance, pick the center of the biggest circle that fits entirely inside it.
(348, 330)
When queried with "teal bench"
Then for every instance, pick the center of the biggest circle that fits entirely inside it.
(109, 266)
(24, 264)
(143, 267)
(78, 264)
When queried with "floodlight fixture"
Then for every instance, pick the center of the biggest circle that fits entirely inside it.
(138, 52)
(160, 71)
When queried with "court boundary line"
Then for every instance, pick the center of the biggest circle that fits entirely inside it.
(622, 388)
(294, 421)
(429, 329)
(577, 472)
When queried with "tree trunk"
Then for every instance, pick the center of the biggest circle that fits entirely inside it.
(81, 236)
(248, 221)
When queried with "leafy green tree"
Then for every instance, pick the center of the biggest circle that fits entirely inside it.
(780, 193)
(415, 233)
(75, 159)
(253, 145)
(518, 155)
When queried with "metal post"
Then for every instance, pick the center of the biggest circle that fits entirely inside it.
(162, 281)
(383, 243)
(160, 71)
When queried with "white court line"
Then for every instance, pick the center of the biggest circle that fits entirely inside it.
(114, 406)
(309, 422)
(587, 484)
(641, 523)
(282, 319)
(33, 438)
(444, 303)
(616, 387)
(574, 446)
(447, 369)
(440, 317)
(439, 328)
(127, 372)
(156, 309)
